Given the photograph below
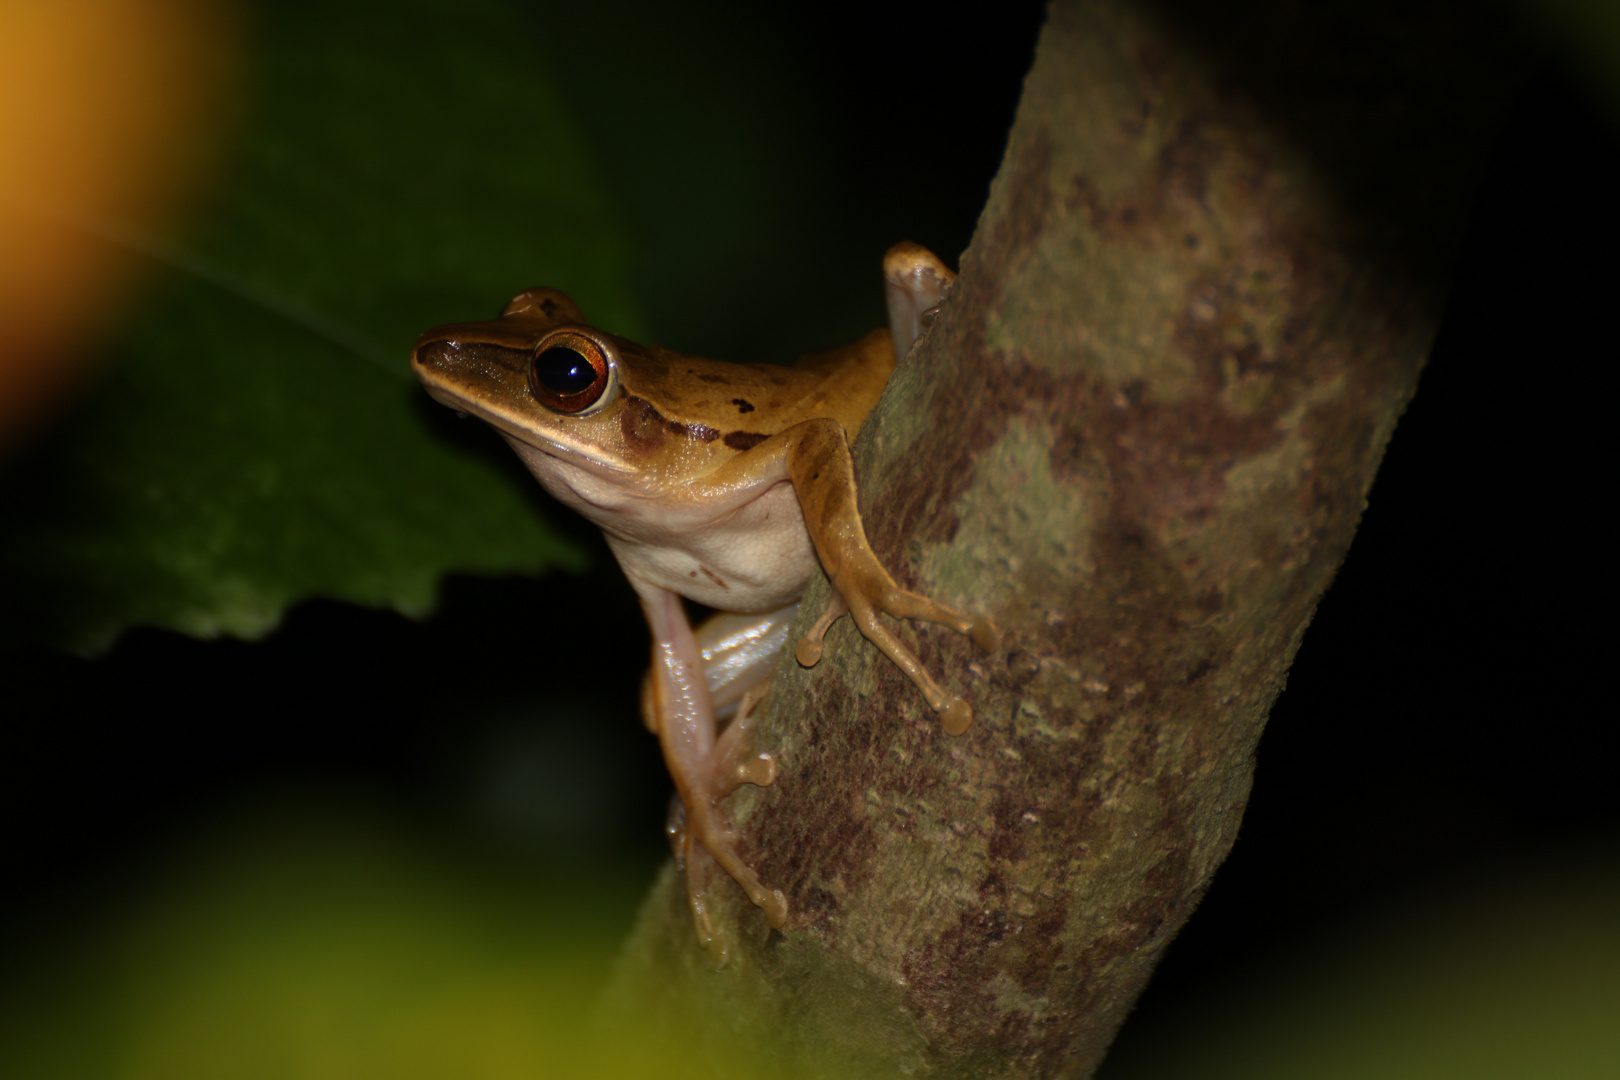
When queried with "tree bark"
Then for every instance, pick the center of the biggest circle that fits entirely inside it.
(1139, 436)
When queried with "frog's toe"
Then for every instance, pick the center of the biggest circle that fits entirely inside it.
(734, 765)
(697, 898)
(758, 769)
(710, 940)
(984, 634)
(956, 716)
(770, 901)
(808, 650)
(715, 843)
(776, 911)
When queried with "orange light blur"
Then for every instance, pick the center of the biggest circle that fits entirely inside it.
(106, 113)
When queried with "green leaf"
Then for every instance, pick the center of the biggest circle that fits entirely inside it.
(256, 438)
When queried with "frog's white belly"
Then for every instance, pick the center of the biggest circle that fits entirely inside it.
(746, 551)
(756, 559)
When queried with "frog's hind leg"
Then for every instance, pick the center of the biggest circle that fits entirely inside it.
(684, 714)
(693, 863)
(824, 477)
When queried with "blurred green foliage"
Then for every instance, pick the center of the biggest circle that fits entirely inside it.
(312, 940)
(1514, 975)
(320, 940)
(256, 437)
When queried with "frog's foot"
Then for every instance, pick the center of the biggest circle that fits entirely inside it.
(863, 607)
(824, 478)
(697, 851)
(718, 845)
(681, 706)
(697, 854)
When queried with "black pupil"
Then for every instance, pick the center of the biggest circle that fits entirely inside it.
(563, 371)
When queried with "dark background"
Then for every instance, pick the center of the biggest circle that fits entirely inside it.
(1442, 717)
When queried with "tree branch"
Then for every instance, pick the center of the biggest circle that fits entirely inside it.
(1139, 436)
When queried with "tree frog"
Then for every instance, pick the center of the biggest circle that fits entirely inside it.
(722, 483)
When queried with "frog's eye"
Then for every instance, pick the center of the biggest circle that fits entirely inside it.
(570, 372)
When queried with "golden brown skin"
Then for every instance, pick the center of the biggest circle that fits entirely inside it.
(723, 483)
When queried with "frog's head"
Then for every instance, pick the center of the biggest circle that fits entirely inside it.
(540, 375)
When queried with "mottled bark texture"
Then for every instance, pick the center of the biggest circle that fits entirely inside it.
(1139, 436)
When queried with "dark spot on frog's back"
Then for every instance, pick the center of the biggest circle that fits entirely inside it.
(743, 405)
(744, 440)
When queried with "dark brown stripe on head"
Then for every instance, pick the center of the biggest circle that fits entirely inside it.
(700, 432)
(449, 356)
(644, 427)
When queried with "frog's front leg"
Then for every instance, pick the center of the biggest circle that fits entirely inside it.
(685, 720)
(814, 457)
(915, 282)
(823, 475)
